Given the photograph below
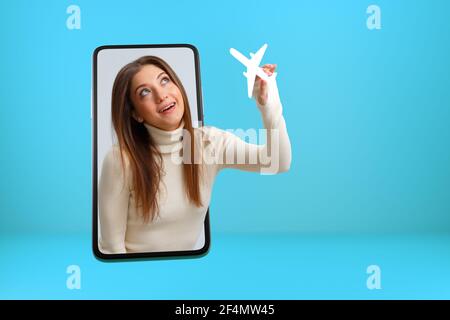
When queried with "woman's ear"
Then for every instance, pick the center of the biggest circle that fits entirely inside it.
(137, 117)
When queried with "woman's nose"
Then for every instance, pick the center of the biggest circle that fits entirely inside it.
(160, 96)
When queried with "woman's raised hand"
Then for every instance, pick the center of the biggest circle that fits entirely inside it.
(260, 91)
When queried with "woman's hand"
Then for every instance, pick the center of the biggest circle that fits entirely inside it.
(260, 92)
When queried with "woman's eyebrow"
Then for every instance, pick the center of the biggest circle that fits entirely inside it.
(159, 75)
(145, 84)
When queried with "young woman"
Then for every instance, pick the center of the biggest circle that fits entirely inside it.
(156, 183)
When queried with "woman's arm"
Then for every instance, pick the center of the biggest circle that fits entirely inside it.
(113, 195)
(272, 157)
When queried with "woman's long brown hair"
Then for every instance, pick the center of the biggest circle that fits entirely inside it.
(136, 143)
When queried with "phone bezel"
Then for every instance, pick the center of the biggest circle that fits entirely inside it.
(94, 117)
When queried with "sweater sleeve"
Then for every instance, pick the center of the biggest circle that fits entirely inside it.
(270, 158)
(113, 195)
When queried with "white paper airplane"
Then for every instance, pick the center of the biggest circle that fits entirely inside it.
(252, 65)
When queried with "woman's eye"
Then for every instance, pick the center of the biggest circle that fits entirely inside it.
(165, 80)
(146, 91)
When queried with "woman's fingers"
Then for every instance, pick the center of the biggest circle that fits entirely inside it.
(262, 96)
(269, 69)
(259, 97)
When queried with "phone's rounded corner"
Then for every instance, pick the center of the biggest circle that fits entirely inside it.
(100, 256)
(193, 48)
(205, 250)
(97, 51)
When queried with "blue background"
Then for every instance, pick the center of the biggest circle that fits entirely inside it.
(367, 113)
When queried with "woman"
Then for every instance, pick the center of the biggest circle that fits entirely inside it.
(154, 189)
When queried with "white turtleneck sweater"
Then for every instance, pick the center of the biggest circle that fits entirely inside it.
(180, 223)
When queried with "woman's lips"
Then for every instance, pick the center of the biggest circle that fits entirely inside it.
(169, 108)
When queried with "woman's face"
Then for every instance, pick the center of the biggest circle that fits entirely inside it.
(156, 98)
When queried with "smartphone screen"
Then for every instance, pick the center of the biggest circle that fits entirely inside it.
(137, 90)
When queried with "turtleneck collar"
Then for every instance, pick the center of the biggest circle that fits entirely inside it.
(167, 141)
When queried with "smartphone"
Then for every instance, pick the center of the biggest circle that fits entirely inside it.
(137, 94)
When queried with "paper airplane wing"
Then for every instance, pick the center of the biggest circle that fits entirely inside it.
(257, 57)
(239, 56)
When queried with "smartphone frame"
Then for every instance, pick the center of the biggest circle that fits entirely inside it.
(94, 117)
